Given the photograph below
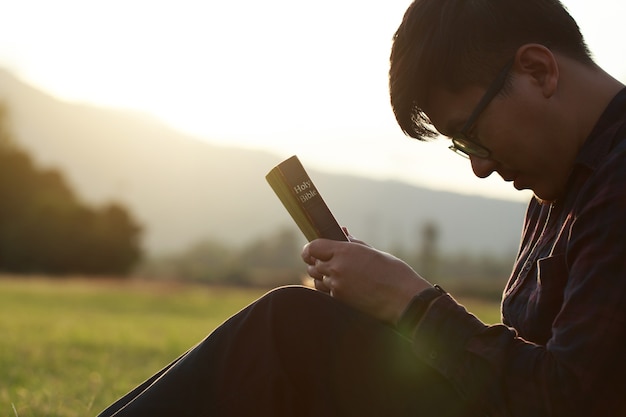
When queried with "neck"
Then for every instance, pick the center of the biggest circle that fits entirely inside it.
(593, 89)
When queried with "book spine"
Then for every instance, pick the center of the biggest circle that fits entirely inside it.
(296, 190)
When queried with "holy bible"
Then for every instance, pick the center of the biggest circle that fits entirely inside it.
(296, 191)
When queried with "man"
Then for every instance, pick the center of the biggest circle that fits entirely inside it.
(511, 83)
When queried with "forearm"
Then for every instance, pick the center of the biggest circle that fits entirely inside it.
(505, 374)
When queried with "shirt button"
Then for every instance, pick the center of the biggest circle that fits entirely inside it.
(433, 355)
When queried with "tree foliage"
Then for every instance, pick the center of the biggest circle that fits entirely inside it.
(44, 228)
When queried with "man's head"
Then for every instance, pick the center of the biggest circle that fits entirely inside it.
(452, 44)
(511, 81)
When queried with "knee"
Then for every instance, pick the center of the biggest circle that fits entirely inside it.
(290, 297)
(286, 303)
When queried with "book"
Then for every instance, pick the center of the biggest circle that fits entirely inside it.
(296, 191)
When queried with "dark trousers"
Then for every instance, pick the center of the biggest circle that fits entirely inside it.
(295, 352)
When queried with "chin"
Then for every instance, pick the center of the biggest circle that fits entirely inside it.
(547, 196)
(548, 192)
(544, 201)
(542, 197)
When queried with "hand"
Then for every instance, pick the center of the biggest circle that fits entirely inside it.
(319, 283)
(370, 280)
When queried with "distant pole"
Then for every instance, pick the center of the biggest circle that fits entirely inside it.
(429, 251)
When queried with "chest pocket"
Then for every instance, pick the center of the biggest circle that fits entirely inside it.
(546, 298)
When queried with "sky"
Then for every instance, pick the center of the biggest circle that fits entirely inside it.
(286, 76)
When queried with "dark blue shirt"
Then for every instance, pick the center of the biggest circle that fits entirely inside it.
(561, 350)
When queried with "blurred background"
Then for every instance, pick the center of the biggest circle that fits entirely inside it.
(136, 136)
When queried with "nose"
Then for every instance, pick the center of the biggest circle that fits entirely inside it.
(482, 167)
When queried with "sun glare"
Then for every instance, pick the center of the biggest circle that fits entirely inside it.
(280, 75)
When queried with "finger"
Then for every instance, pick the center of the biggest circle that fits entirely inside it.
(319, 285)
(321, 249)
(306, 256)
(308, 259)
(328, 282)
(355, 240)
(314, 272)
(352, 238)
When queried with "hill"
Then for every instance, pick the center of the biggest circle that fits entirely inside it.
(184, 190)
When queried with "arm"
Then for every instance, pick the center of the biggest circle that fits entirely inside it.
(578, 371)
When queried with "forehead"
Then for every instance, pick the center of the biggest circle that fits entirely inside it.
(449, 110)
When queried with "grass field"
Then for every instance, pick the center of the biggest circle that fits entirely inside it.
(71, 347)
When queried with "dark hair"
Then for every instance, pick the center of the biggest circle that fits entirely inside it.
(456, 43)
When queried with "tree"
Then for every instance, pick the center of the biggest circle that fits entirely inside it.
(45, 228)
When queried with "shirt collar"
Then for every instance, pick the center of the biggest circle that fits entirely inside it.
(602, 138)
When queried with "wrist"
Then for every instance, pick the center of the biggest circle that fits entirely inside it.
(417, 308)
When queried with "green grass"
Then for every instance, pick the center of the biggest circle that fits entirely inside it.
(72, 347)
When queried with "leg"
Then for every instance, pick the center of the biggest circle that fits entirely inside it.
(295, 352)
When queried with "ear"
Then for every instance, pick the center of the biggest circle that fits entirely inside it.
(540, 64)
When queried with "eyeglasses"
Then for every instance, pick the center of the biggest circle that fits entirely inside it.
(461, 143)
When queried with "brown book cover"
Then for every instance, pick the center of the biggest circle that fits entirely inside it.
(296, 191)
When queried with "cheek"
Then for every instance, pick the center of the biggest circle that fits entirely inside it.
(515, 135)
(508, 145)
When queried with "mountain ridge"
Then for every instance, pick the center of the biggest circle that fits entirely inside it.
(184, 190)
